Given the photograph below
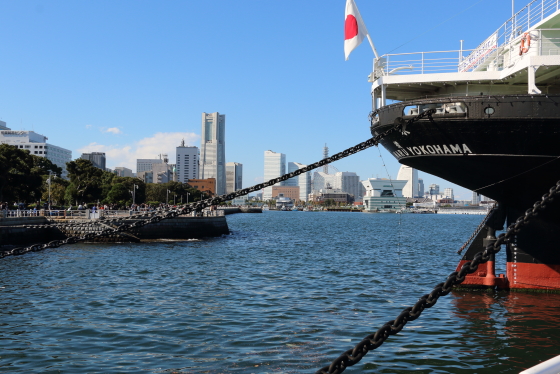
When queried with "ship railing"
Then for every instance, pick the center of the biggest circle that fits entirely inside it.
(544, 42)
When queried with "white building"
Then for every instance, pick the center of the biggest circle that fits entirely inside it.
(406, 173)
(121, 171)
(234, 176)
(322, 180)
(213, 150)
(384, 195)
(145, 164)
(302, 180)
(274, 167)
(449, 193)
(37, 145)
(348, 182)
(434, 189)
(187, 163)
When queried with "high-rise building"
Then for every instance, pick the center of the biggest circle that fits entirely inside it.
(411, 176)
(303, 181)
(37, 145)
(434, 189)
(420, 188)
(449, 193)
(348, 182)
(234, 176)
(187, 163)
(274, 167)
(213, 150)
(121, 171)
(322, 180)
(97, 159)
(145, 164)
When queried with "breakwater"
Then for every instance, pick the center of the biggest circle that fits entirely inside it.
(30, 230)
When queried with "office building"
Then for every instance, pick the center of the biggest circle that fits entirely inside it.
(121, 171)
(448, 192)
(286, 191)
(145, 164)
(348, 182)
(420, 187)
(187, 162)
(322, 180)
(406, 173)
(208, 186)
(434, 189)
(213, 150)
(303, 181)
(334, 194)
(234, 176)
(37, 145)
(274, 167)
(97, 159)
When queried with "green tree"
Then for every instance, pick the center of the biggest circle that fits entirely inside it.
(87, 179)
(21, 174)
(119, 194)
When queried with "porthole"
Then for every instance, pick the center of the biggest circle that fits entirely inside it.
(489, 110)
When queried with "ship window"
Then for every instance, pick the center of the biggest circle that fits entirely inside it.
(489, 110)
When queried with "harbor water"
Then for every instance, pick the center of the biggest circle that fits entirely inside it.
(286, 292)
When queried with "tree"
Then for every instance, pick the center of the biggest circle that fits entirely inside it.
(20, 174)
(119, 194)
(86, 178)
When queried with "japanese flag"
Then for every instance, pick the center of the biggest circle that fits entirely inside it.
(354, 28)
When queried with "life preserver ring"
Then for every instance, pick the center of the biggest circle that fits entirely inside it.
(522, 47)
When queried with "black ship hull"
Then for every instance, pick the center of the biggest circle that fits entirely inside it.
(503, 147)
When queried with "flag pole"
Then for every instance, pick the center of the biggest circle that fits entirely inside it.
(372, 47)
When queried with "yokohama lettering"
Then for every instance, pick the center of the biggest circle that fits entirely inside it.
(435, 149)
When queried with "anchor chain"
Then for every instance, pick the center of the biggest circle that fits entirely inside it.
(475, 233)
(373, 341)
(121, 226)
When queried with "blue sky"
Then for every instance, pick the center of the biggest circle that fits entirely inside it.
(131, 78)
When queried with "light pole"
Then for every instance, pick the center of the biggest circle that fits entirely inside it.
(167, 202)
(49, 181)
(174, 196)
(188, 197)
(134, 188)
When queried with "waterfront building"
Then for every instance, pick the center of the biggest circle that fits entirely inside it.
(37, 145)
(303, 181)
(274, 167)
(145, 164)
(448, 192)
(234, 177)
(411, 176)
(384, 195)
(121, 171)
(187, 162)
(213, 150)
(97, 159)
(322, 180)
(287, 191)
(204, 185)
(335, 194)
(420, 188)
(348, 182)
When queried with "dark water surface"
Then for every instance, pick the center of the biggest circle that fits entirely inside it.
(287, 292)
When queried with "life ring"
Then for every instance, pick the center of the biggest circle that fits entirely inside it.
(522, 48)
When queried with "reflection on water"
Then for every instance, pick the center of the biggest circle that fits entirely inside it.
(286, 292)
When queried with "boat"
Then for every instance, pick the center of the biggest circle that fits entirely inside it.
(491, 124)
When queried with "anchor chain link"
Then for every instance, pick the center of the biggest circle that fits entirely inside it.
(373, 341)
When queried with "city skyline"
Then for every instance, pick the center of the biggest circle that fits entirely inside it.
(135, 86)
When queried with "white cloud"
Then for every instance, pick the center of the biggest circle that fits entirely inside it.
(126, 155)
(114, 130)
(88, 126)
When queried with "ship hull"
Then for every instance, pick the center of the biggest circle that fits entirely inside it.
(510, 153)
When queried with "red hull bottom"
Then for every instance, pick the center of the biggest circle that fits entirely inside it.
(519, 275)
